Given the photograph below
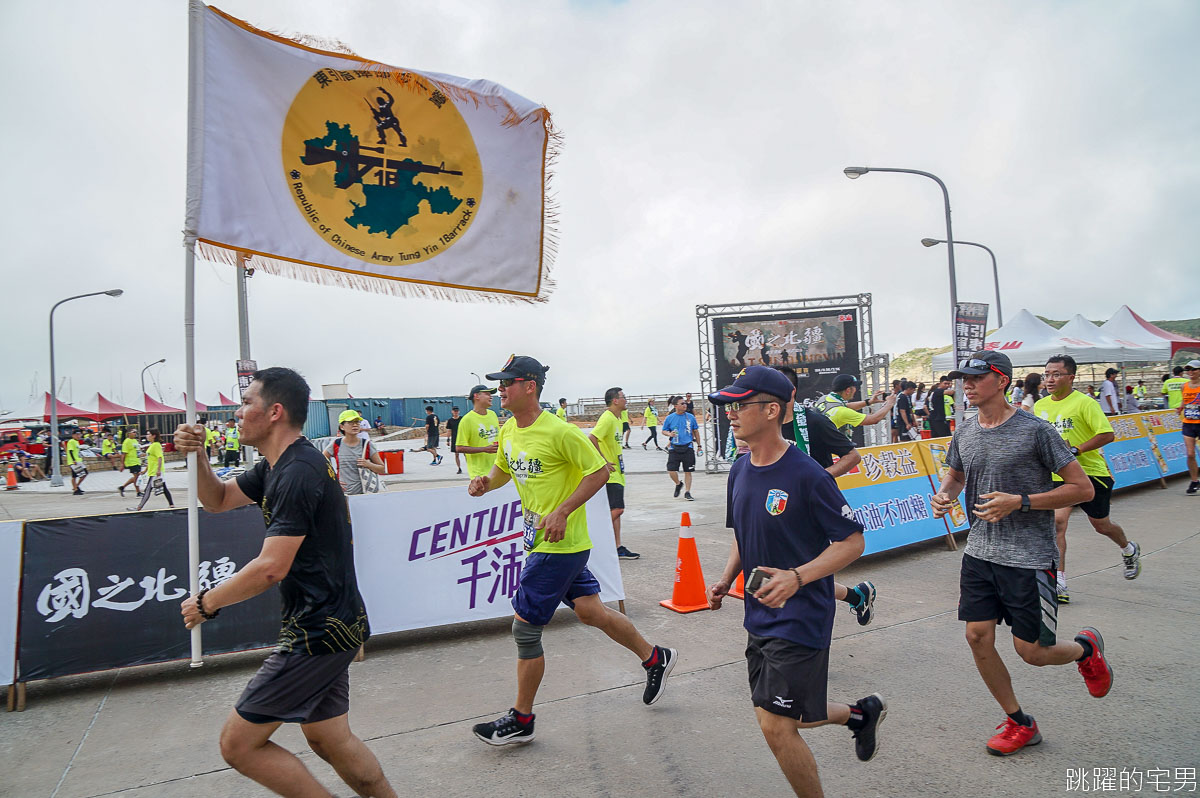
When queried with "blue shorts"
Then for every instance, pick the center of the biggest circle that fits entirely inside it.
(547, 579)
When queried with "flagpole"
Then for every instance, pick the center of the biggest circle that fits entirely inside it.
(194, 168)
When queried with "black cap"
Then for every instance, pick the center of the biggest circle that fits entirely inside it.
(521, 367)
(1111, 371)
(751, 380)
(479, 389)
(990, 360)
(843, 381)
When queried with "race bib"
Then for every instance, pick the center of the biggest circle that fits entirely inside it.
(1191, 412)
(620, 464)
(532, 520)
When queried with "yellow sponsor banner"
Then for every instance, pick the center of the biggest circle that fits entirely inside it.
(1161, 422)
(883, 464)
(934, 453)
(1128, 427)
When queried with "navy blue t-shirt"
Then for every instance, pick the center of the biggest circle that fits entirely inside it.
(784, 515)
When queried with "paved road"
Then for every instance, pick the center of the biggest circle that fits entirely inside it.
(152, 731)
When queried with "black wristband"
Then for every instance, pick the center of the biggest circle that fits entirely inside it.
(200, 606)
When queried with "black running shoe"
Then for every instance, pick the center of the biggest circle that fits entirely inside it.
(122, 490)
(688, 495)
(1193, 489)
(77, 492)
(678, 487)
(625, 554)
(656, 674)
(504, 730)
(866, 739)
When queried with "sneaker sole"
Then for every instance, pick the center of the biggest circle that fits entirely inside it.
(627, 557)
(662, 688)
(869, 613)
(1037, 738)
(505, 740)
(878, 723)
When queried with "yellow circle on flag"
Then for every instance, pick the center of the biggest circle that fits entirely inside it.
(381, 165)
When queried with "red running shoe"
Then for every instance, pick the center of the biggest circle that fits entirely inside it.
(1013, 737)
(1095, 669)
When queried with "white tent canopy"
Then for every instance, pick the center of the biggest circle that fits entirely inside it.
(1083, 329)
(1028, 341)
(1127, 327)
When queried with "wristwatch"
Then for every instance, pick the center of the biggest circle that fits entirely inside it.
(1075, 450)
(1025, 506)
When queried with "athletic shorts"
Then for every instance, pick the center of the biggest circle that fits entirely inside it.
(1024, 598)
(1099, 505)
(134, 469)
(298, 688)
(939, 428)
(616, 495)
(787, 678)
(431, 440)
(550, 579)
(681, 456)
(1191, 430)
(624, 426)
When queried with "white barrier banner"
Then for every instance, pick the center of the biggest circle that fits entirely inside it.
(10, 590)
(432, 557)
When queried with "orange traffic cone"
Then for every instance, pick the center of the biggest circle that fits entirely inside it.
(10, 479)
(738, 591)
(689, 594)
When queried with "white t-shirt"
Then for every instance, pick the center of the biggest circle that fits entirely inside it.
(1109, 402)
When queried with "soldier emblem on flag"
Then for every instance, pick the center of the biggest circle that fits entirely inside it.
(776, 501)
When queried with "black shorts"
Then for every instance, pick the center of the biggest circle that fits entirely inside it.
(1024, 598)
(939, 428)
(624, 426)
(298, 688)
(787, 678)
(616, 495)
(681, 456)
(232, 456)
(1191, 430)
(1100, 504)
(134, 469)
(431, 440)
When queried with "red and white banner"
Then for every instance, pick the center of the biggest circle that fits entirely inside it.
(433, 557)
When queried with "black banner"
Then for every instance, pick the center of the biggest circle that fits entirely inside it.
(970, 329)
(104, 591)
(817, 344)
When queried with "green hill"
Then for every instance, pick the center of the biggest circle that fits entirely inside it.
(917, 364)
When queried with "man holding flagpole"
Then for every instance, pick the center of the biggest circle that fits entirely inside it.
(308, 551)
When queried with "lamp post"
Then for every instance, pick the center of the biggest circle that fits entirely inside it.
(931, 242)
(347, 376)
(478, 381)
(855, 172)
(56, 479)
(155, 363)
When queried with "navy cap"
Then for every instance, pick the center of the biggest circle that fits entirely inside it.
(480, 389)
(843, 381)
(521, 367)
(751, 380)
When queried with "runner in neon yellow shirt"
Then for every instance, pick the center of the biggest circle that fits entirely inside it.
(75, 462)
(625, 428)
(561, 412)
(477, 433)
(606, 437)
(1086, 429)
(1173, 388)
(133, 461)
(843, 410)
(154, 472)
(555, 470)
(650, 419)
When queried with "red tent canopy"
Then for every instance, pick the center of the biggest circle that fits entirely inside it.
(40, 411)
(183, 403)
(225, 400)
(153, 406)
(99, 407)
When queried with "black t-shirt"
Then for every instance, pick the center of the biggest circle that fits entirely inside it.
(452, 427)
(431, 424)
(904, 402)
(936, 404)
(824, 440)
(323, 612)
(691, 408)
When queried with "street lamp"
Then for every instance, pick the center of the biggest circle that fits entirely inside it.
(347, 376)
(56, 479)
(855, 172)
(478, 381)
(932, 242)
(155, 363)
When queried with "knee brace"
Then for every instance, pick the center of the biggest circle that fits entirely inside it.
(529, 639)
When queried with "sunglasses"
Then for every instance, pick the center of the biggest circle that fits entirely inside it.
(736, 407)
(508, 383)
(976, 363)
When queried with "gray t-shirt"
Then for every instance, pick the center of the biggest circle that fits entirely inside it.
(1016, 457)
(349, 474)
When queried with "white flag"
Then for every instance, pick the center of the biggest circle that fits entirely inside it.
(331, 168)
